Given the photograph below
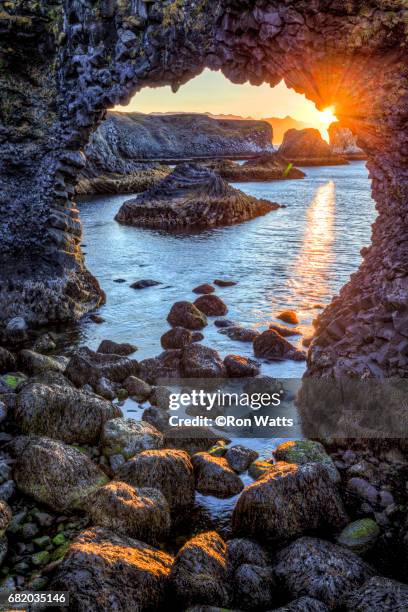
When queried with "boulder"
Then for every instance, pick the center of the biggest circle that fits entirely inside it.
(240, 334)
(164, 367)
(129, 437)
(199, 572)
(7, 361)
(204, 289)
(192, 439)
(168, 470)
(198, 361)
(55, 474)
(299, 498)
(240, 367)
(106, 571)
(105, 389)
(214, 476)
(224, 323)
(192, 196)
(5, 517)
(211, 305)
(380, 595)
(253, 587)
(285, 332)
(259, 468)
(139, 513)
(321, 570)
(63, 413)
(263, 384)
(289, 316)
(306, 451)
(144, 283)
(176, 338)
(110, 347)
(35, 363)
(307, 148)
(240, 458)
(363, 490)
(138, 388)
(242, 551)
(303, 604)
(157, 417)
(271, 346)
(161, 397)
(186, 314)
(45, 343)
(224, 282)
(86, 367)
(359, 536)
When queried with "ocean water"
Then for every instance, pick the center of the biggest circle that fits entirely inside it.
(297, 257)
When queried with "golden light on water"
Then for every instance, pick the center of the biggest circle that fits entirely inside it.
(311, 269)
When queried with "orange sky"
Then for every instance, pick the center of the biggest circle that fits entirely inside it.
(212, 92)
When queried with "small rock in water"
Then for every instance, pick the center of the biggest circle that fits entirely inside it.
(214, 476)
(211, 305)
(285, 331)
(224, 283)
(271, 346)
(240, 458)
(241, 367)
(176, 338)
(204, 289)
(224, 323)
(110, 347)
(240, 334)
(97, 319)
(288, 316)
(143, 284)
(186, 314)
(119, 280)
(200, 361)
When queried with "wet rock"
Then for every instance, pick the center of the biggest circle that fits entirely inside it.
(224, 282)
(221, 323)
(240, 458)
(307, 147)
(380, 595)
(193, 439)
(63, 413)
(321, 570)
(362, 489)
(7, 490)
(271, 346)
(176, 338)
(16, 329)
(11, 381)
(55, 474)
(86, 367)
(168, 470)
(241, 367)
(129, 437)
(259, 468)
(105, 389)
(97, 319)
(3, 411)
(161, 397)
(5, 517)
(192, 196)
(45, 343)
(7, 361)
(199, 572)
(110, 347)
(285, 331)
(242, 551)
(240, 334)
(263, 384)
(143, 284)
(359, 536)
(164, 367)
(214, 476)
(204, 289)
(3, 551)
(138, 388)
(211, 305)
(141, 513)
(253, 587)
(307, 451)
(304, 604)
(186, 314)
(35, 363)
(200, 361)
(105, 571)
(289, 316)
(309, 492)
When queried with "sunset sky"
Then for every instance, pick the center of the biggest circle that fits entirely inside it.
(212, 92)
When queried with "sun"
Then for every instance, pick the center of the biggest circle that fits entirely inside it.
(327, 115)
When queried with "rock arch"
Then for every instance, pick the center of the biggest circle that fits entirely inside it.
(63, 62)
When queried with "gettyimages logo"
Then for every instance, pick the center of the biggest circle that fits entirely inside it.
(210, 400)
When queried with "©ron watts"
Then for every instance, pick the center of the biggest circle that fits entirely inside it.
(201, 196)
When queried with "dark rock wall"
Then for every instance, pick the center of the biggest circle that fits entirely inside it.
(64, 62)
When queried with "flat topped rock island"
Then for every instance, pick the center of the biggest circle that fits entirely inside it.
(191, 197)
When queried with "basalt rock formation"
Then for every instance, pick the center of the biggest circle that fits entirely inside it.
(343, 142)
(63, 63)
(191, 197)
(307, 148)
(264, 167)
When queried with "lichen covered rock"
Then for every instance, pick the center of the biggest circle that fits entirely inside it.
(129, 437)
(87, 367)
(359, 536)
(306, 451)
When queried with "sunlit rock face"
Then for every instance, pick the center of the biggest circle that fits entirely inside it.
(343, 142)
(63, 63)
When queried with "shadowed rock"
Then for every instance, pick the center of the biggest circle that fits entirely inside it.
(307, 148)
(238, 333)
(176, 338)
(242, 550)
(186, 314)
(211, 305)
(191, 197)
(303, 604)
(110, 347)
(240, 458)
(214, 476)
(198, 361)
(129, 437)
(307, 451)
(273, 347)
(7, 361)
(105, 571)
(320, 569)
(379, 594)
(164, 366)
(307, 490)
(241, 367)
(86, 367)
(264, 167)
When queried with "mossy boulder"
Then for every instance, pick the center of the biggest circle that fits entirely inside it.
(139, 513)
(106, 571)
(128, 437)
(259, 468)
(54, 473)
(307, 451)
(185, 314)
(36, 363)
(359, 536)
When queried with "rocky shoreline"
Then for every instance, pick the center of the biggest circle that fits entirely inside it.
(104, 506)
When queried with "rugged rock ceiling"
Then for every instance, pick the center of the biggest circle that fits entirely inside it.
(62, 63)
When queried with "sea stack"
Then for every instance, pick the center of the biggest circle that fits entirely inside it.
(307, 148)
(191, 197)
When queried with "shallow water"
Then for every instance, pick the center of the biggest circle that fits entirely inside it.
(297, 257)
